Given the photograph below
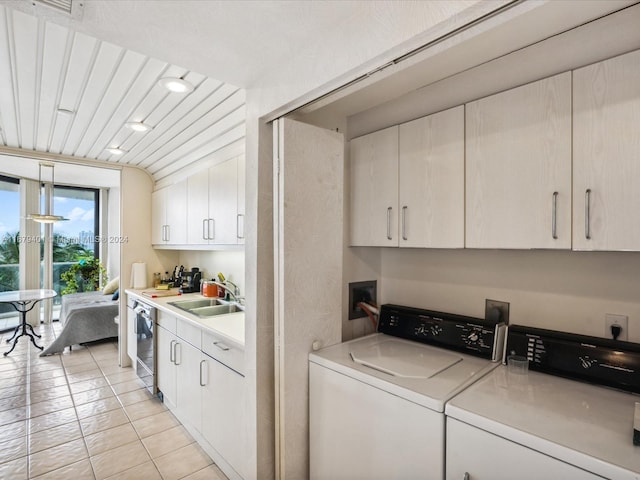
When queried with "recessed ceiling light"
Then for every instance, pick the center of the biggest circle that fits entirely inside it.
(115, 150)
(65, 111)
(138, 126)
(176, 85)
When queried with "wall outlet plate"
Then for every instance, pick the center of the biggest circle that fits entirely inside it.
(361, 292)
(490, 307)
(613, 319)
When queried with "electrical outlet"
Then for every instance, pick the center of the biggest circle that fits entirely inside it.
(621, 320)
(360, 292)
(490, 306)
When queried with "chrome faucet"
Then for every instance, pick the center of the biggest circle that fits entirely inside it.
(234, 292)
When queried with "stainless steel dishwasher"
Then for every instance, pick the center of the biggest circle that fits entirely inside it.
(144, 329)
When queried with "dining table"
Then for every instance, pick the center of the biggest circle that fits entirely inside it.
(24, 301)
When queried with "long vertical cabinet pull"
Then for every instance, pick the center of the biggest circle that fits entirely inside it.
(404, 223)
(205, 229)
(172, 352)
(175, 355)
(554, 217)
(211, 236)
(202, 382)
(238, 216)
(389, 224)
(587, 214)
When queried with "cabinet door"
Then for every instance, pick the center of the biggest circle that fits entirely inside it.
(166, 367)
(475, 454)
(158, 216)
(177, 213)
(241, 199)
(518, 167)
(132, 341)
(374, 189)
(431, 178)
(189, 401)
(606, 167)
(223, 202)
(222, 420)
(197, 209)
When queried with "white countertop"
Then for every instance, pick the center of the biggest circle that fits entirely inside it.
(230, 326)
(585, 425)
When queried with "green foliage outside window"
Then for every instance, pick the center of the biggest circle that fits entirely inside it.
(84, 276)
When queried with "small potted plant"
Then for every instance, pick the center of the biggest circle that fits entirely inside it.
(84, 276)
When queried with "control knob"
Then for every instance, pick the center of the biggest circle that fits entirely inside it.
(473, 337)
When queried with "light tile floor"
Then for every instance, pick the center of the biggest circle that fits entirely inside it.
(79, 415)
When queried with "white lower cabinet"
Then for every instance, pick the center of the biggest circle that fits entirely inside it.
(204, 394)
(166, 367)
(223, 413)
(474, 454)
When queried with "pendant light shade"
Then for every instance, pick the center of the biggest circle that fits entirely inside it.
(47, 216)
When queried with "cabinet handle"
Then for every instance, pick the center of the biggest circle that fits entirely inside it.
(221, 346)
(175, 355)
(238, 226)
(466, 476)
(554, 217)
(168, 233)
(212, 236)
(389, 224)
(205, 229)
(587, 214)
(202, 384)
(404, 222)
(172, 352)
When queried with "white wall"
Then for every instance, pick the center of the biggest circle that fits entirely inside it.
(113, 224)
(229, 262)
(135, 224)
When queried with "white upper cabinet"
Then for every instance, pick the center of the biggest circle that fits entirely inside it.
(374, 189)
(606, 155)
(518, 167)
(223, 203)
(168, 215)
(431, 179)
(214, 199)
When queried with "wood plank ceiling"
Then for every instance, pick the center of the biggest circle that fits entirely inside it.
(67, 93)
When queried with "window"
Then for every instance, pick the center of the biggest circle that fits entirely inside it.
(9, 246)
(75, 238)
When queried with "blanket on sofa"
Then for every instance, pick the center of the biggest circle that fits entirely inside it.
(85, 317)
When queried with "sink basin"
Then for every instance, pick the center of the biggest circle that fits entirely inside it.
(189, 305)
(214, 310)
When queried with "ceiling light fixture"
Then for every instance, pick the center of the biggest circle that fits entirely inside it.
(47, 216)
(176, 85)
(115, 150)
(138, 126)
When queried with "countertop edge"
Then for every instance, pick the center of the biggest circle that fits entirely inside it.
(161, 303)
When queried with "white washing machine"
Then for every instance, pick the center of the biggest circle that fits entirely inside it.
(377, 403)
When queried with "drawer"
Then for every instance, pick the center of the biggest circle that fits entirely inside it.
(189, 333)
(223, 351)
(166, 321)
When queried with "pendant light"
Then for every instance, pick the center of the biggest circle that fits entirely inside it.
(47, 216)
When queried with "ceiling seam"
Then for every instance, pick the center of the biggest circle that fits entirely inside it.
(136, 106)
(38, 87)
(209, 140)
(164, 119)
(14, 73)
(121, 104)
(192, 137)
(192, 123)
(63, 72)
(237, 141)
(90, 71)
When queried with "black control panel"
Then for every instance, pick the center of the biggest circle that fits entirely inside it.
(591, 359)
(455, 332)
